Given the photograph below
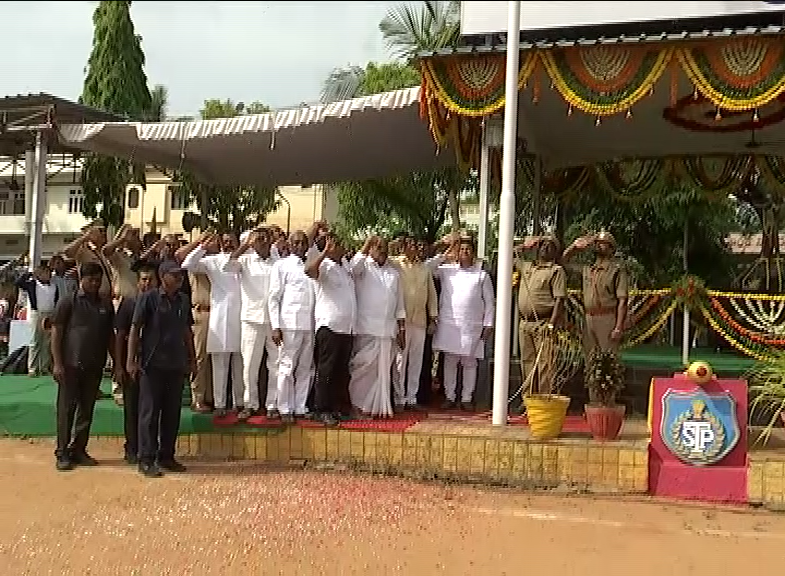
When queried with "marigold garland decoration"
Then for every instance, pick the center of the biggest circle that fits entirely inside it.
(632, 180)
(473, 85)
(739, 74)
(718, 174)
(605, 79)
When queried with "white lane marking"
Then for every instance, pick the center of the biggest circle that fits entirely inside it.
(545, 516)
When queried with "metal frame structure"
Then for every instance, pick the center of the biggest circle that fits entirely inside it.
(27, 127)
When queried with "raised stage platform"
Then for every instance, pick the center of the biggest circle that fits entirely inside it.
(452, 446)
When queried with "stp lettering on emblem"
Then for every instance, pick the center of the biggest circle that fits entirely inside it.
(699, 428)
(698, 436)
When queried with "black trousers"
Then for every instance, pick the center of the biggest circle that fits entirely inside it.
(426, 374)
(331, 388)
(160, 403)
(131, 415)
(76, 397)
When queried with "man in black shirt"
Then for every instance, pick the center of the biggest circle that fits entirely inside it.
(147, 280)
(82, 328)
(161, 350)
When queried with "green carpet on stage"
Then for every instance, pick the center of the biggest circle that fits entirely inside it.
(27, 405)
(27, 408)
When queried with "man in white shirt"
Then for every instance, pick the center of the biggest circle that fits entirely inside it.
(335, 314)
(291, 305)
(42, 295)
(466, 313)
(381, 317)
(254, 269)
(223, 337)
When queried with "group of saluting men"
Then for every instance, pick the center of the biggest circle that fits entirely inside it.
(348, 328)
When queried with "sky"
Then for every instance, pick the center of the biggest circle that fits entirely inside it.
(278, 53)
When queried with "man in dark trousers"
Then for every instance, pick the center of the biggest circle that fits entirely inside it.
(82, 329)
(161, 351)
(147, 279)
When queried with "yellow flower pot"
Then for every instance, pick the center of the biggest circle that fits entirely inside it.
(546, 414)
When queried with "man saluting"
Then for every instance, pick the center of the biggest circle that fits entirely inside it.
(161, 350)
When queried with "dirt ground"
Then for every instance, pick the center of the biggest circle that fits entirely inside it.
(226, 519)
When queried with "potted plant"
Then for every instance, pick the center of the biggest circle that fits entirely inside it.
(547, 410)
(604, 380)
(766, 381)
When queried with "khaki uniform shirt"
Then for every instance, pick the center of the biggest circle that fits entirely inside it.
(200, 291)
(540, 286)
(88, 252)
(604, 284)
(123, 277)
(419, 291)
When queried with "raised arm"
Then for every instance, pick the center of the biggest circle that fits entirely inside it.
(119, 241)
(72, 250)
(194, 261)
(313, 267)
(233, 264)
(578, 245)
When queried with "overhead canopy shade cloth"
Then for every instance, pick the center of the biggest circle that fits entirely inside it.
(368, 137)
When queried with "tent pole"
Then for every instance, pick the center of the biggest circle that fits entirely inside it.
(685, 328)
(485, 182)
(501, 358)
(29, 187)
(38, 202)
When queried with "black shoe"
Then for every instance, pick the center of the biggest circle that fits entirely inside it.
(172, 466)
(64, 464)
(149, 470)
(448, 405)
(245, 414)
(467, 407)
(273, 415)
(131, 458)
(83, 459)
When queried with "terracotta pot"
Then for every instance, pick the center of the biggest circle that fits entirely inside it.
(605, 421)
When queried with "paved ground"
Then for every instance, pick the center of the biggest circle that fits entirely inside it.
(244, 519)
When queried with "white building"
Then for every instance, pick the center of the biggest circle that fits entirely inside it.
(63, 218)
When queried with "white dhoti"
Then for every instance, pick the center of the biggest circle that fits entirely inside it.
(255, 339)
(221, 362)
(370, 370)
(295, 371)
(408, 366)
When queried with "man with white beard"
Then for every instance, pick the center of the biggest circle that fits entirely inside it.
(381, 318)
(254, 269)
(291, 305)
(223, 337)
(466, 313)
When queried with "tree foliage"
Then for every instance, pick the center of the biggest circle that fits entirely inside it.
(230, 208)
(409, 29)
(115, 82)
(651, 233)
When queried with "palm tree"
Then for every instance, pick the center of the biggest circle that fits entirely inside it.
(409, 30)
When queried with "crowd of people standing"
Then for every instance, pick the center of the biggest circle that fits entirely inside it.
(343, 333)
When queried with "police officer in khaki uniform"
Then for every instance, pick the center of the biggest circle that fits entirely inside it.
(202, 384)
(605, 293)
(543, 288)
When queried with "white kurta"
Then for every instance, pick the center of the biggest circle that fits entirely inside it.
(255, 333)
(225, 302)
(379, 308)
(466, 306)
(291, 308)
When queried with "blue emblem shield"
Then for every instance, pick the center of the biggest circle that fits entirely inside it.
(699, 428)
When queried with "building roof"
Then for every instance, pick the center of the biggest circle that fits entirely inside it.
(21, 113)
(492, 44)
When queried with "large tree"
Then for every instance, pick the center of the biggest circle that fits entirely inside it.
(231, 208)
(115, 82)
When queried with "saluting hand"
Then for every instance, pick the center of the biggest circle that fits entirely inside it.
(277, 336)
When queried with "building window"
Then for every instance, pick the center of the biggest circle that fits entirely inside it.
(75, 201)
(12, 202)
(179, 199)
(133, 198)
